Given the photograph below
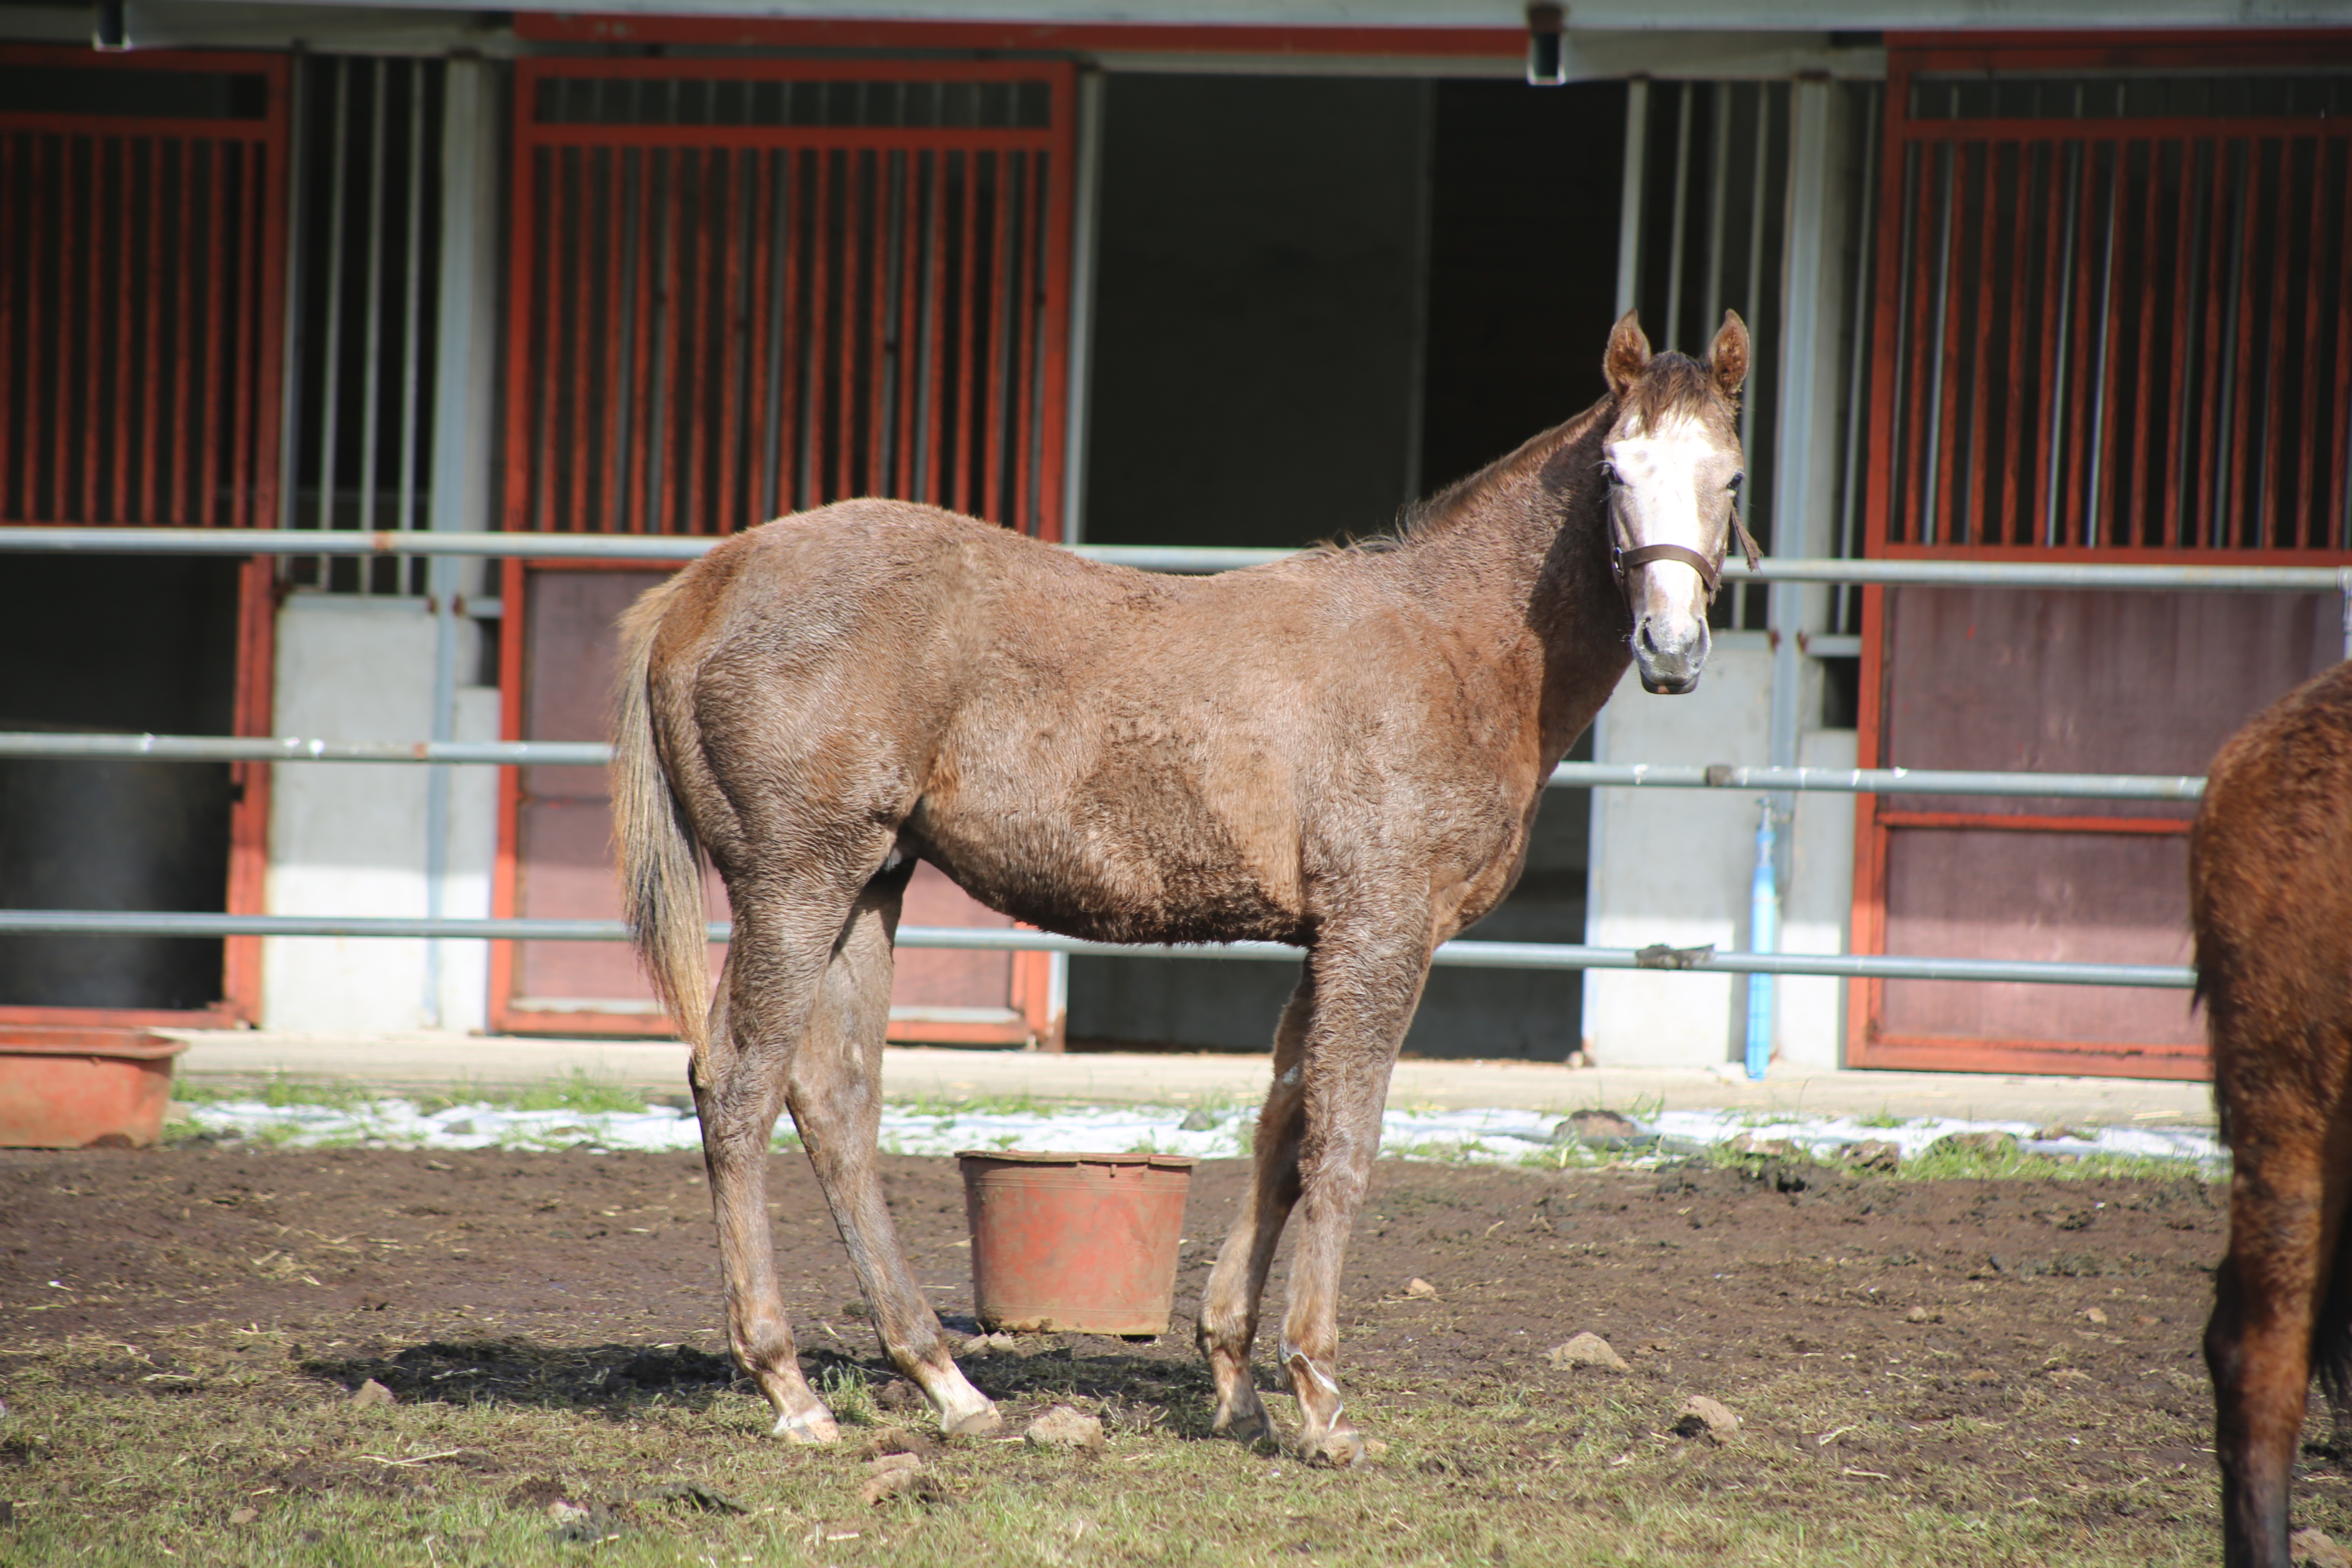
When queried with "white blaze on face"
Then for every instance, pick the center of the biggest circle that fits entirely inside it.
(1671, 489)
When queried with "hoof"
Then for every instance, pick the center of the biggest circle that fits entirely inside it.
(977, 1423)
(1340, 1450)
(809, 1426)
(1251, 1427)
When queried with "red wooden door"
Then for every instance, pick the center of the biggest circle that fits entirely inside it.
(740, 288)
(2112, 324)
(142, 257)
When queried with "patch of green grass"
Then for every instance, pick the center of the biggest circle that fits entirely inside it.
(1884, 1119)
(977, 1105)
(257, 1455)
(579, 1091)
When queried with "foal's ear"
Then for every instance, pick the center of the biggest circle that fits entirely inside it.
(1628, 355)
(1726, 357)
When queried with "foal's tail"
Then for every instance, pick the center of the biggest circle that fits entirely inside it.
(661, 860)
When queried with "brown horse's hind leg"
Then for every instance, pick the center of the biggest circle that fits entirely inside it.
(835, 1094)
(738, 1089)
(2267, 1302)
(1229, 1306)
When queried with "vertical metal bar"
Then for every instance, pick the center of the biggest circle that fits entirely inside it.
(881, 280)
(1907, 394)
(547, 301)
(997, 388)
(215, 309)
(2101, 470)
(611, 168)
(370, 368)
(1719, 180)
(1085, 220)
(245, 363)
(2078, 349)
(1416, 375)
(2265, 508)
(967, 287)
(1020, 312)
(1930, 486)
(2229, 498)
(118, 426)
(813, 358)
(289, 383)
(1975, 522)
(1042, 224)
(2149, 529)
(895, 179)
(150, 324)
(1747, 405)
(709, 214)
(412, 331)
(646, 173)
(184, 330)
(2054, 381)
(1681, 216)
(2014, 527)
(783, 244)
(61, 337)
(1857, 353)
(93, 319)
(668, 196)
(909, 267)
(571, 217)
(844, 333)
(930, 482)
(2187, 254)
(2214, 406)
(1629, 205)
(740, 166)
(2308, 479)
(331, 364)
(13, 445)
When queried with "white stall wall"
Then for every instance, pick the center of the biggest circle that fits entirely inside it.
(348, 838)
(1674, 866)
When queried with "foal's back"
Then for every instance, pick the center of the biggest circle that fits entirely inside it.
(1105, 752)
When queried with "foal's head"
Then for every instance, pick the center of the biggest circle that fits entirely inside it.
(1674, 468)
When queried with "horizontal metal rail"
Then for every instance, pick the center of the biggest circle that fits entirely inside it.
(1568, 775)
(1147, 557)
(985, 939)
(1875, 780)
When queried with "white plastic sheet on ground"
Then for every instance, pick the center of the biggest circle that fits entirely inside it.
(1491, 1136)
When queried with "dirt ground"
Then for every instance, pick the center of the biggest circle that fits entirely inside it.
(2016, 1342)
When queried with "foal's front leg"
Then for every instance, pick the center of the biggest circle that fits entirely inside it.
(1365, 994)
(1229, 1306)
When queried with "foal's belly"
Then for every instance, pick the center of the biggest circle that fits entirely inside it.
(1166, 865)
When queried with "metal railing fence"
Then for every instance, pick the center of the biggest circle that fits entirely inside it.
(1481, 954)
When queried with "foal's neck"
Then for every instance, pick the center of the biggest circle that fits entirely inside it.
(1519, 551)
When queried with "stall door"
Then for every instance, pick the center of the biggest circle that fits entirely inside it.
(739, 289)
(142, 245)
(2112, 325)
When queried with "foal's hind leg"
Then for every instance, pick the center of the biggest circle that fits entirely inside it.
(2287, 1212)
(774, 968)
(1229, 1306)
(835, 1094)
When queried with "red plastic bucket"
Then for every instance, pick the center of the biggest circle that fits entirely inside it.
(79, 1088)
(1083, 1242)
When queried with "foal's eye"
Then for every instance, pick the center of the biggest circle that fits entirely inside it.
(1608, 472)
(1734, 483)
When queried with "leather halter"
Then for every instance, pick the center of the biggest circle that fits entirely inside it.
(1623, 561)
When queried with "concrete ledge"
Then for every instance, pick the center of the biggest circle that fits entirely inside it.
(438, 1062)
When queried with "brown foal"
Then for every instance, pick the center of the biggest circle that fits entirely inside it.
(2270, 885)
(1343, 751)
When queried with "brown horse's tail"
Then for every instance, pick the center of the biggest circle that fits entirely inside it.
(659, 857)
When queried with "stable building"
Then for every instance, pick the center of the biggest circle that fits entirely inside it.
(1237, 275)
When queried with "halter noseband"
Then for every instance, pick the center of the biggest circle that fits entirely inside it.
(1623, 561)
